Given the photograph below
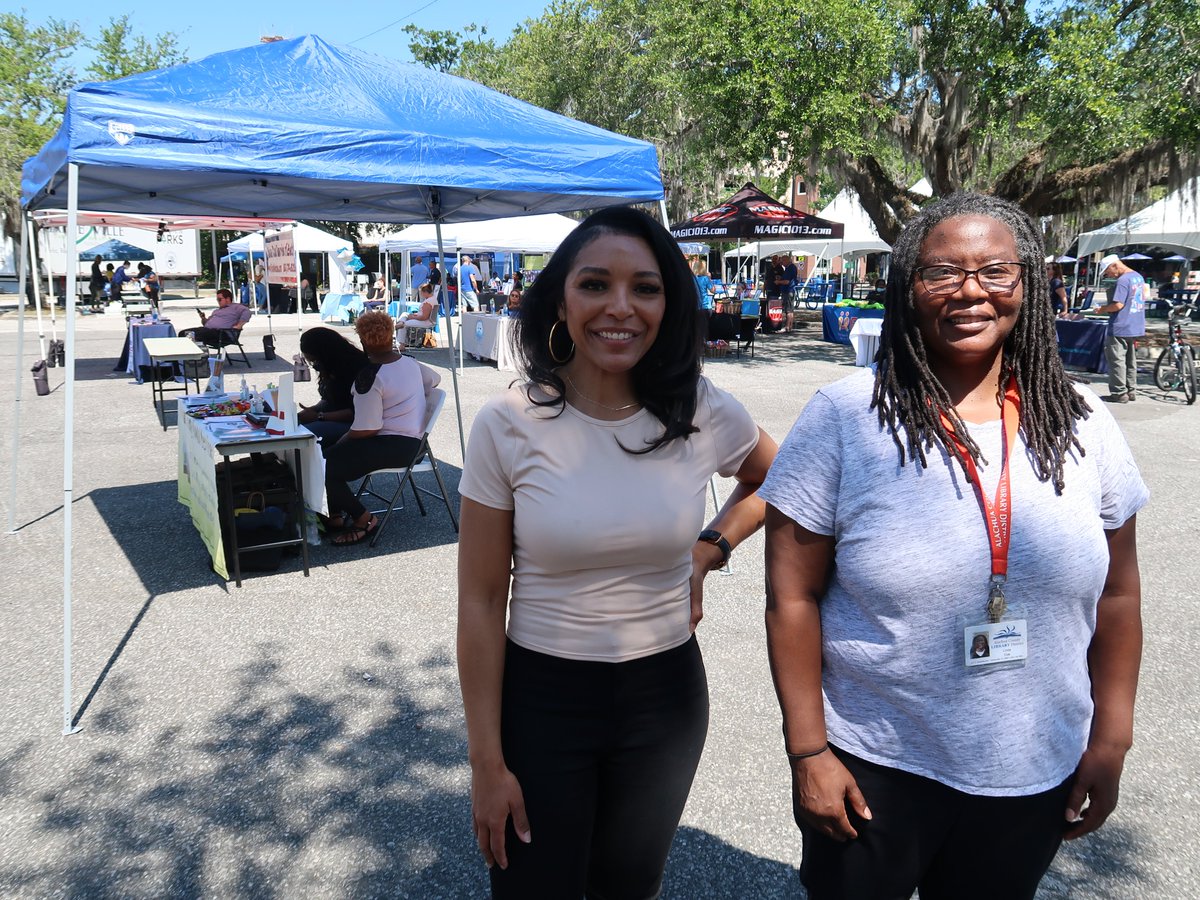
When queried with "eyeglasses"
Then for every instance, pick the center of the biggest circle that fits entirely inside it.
(996, 278)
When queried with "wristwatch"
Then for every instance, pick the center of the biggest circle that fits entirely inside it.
(321, 416)
(709, 536)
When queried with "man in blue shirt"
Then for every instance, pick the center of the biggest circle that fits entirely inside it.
(258, 291)
(119, 279)
(1127, 322)
(418, 274)
(468, 279)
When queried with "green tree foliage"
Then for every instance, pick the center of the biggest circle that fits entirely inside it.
(120, 52)
(1059, 106)
(35, 70)
(35, 67)
(1084, 103)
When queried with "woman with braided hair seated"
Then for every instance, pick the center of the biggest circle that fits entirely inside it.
(915, 515)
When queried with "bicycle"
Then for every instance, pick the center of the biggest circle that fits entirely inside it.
(1176, 366)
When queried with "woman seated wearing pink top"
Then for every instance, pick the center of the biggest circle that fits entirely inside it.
(389, 419)
(587, 486)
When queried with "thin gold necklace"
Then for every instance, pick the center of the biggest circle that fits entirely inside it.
(567, 376)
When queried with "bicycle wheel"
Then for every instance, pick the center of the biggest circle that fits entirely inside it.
(1164, 370)
(1187, 372)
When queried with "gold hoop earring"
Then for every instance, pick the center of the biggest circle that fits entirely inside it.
(550, 343)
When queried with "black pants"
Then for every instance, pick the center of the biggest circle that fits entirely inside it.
(208, 337)
(924, 834)
(605, 754)
(349, 460)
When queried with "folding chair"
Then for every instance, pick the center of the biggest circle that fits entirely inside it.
(423, 461)
(230, 337)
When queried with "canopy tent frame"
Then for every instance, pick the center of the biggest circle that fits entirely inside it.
(146, 165)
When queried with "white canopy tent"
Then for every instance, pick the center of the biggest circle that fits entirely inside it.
(509, 234)
(307, 240)
(517, 234)
(1172, 223)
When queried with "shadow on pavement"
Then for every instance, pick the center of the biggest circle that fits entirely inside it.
(701, 865)
(355, 790)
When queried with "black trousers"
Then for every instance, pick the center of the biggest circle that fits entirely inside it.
(350, 460)
(605, 754)
(925, 835)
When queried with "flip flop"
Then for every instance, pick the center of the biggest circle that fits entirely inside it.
(356, 534)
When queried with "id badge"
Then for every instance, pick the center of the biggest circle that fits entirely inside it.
(985, 646)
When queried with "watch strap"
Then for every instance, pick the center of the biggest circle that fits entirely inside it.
(709, 536)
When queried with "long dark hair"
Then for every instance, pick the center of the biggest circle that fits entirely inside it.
(908, 394)
(666, 378)
(337, 360)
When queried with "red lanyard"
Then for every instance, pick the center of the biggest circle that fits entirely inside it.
(997, 514)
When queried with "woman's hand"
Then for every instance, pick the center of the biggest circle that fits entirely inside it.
(496, 795)
(821, 789)
(1098, 780)
(705, 558)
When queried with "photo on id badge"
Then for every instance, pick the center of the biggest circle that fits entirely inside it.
(992, 643)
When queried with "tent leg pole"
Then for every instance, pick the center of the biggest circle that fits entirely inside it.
(68, 447)
(37, 298)
(22, 270)
(462, 441)
(662, 211)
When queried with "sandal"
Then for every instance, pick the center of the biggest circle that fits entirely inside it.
(356, 534)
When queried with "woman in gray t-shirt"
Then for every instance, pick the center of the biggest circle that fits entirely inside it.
(913, 511)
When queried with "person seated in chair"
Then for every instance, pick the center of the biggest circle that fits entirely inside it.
(337, 363)
(378, 295)
(426, 316)
(223, 325)
(876, 294)
(389, 421)
(514, 303)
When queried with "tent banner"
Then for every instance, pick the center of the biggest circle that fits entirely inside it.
(176, 254)
(281, 258)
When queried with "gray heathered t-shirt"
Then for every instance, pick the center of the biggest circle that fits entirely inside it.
(911, 558)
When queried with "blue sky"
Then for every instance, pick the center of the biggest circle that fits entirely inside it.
(210, 26)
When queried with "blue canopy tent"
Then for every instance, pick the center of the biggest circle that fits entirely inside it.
(114, 249)
(305, 129)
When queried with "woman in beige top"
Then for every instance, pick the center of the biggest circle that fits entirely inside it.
(585, 489)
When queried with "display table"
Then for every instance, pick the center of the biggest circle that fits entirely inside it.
(836, 321)
(133, 354)
(864, 337)
(342, 307)
(173, 350)
(487, 337)
(1081, 343)
(202, 440)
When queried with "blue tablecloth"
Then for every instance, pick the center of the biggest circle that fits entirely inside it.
(1081, 343)
(340, 306)
(134, 354)
(836, 321)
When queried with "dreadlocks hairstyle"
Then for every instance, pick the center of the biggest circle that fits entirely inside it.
(908, 395)
(666, 378)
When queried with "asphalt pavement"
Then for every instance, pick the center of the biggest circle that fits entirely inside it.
(302, 737)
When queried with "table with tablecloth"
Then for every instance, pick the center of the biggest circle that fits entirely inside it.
(1081, 343)
(487, 336)
(864, 337)
(200, 441)
(133, 353)
(342, 307)
(836, 321)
